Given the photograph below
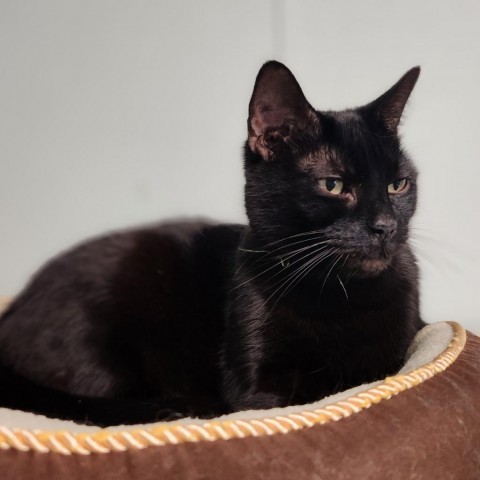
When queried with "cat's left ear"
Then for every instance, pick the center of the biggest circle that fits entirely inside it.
(389, 107)
(280, 117)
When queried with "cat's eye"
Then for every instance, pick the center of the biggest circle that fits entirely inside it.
(398, 186)
(331, 185)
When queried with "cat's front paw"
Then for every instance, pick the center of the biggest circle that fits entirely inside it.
(259, 401)
(168, 414)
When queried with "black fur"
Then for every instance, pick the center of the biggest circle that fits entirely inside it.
(317, 294)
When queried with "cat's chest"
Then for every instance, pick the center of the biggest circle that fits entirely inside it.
(329, 351)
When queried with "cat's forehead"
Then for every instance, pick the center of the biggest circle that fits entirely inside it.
(326, 158)
(348, 145)
(348, 130)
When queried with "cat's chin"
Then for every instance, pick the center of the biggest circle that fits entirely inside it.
(368, 267)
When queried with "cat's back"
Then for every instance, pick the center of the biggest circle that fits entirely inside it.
(116, 314)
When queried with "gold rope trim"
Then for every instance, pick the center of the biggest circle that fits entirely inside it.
(105, 441)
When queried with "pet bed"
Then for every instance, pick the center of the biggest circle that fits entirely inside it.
(422, 423)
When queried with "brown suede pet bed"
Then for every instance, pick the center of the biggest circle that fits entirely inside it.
(423, 423)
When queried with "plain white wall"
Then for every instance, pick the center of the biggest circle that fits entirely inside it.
(115, 113)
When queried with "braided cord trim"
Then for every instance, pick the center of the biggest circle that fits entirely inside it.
(105, 440)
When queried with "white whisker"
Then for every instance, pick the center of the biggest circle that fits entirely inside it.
(329, 272)
(304, 271)
(311, 232)
(343, 286)
(276, 260)
(299, 273)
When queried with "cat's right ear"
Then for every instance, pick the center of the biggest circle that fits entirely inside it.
(279, 113)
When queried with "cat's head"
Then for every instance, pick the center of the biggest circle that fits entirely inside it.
(342, 175)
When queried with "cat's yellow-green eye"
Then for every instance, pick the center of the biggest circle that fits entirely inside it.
(398, 186)
(333, 186)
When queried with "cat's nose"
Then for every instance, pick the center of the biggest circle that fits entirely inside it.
(383, 225)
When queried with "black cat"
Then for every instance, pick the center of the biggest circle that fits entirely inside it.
(317, 294)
